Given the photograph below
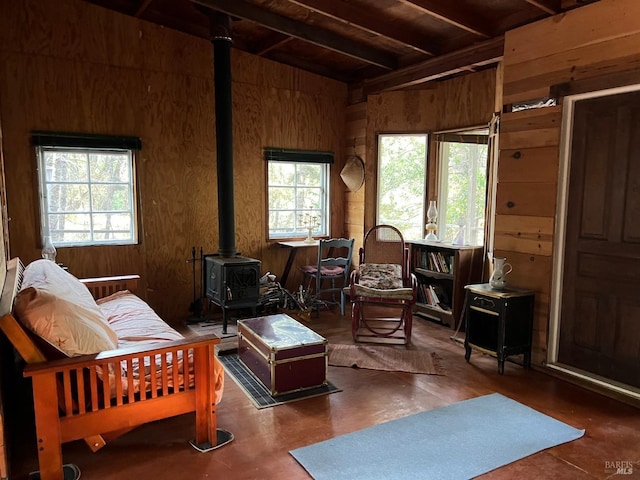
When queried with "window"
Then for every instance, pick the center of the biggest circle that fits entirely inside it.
(87, 190)
(402, 169)
(463, 185)
(298, 192)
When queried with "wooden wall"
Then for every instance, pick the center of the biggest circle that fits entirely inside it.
(593, 42)
(355, 144)
(71, 66)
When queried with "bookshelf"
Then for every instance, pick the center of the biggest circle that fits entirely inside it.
(442, 271)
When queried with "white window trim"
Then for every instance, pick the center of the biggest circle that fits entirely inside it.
(323, 229)
(44, 206)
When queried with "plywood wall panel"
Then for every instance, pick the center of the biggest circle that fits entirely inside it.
(114, 260)
(68, 30)
(465, 101)
(155, 83)
(177, 182)
(184, 54)
(269, 112)
(250, 173)
(252, 70)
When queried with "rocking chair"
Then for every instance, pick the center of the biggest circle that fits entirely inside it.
(383, 282)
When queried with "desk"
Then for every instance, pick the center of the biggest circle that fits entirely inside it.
(293, 249)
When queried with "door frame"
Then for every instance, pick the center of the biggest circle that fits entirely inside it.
(566, 138)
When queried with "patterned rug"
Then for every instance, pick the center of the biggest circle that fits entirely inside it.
(257, 393)
(375, 357)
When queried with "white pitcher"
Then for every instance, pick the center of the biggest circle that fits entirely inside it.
(501, 269)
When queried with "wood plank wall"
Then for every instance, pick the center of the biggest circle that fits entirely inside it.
(591, 42)
(355, 144)
(72, 66)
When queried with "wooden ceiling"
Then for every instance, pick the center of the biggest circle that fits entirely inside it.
(376, 44)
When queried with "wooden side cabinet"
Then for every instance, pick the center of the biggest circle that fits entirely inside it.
(498, 322)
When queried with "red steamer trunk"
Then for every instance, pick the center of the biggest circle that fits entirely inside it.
(282, 353)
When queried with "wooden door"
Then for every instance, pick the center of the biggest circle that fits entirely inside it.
(600, 318)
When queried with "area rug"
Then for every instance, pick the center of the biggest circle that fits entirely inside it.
(257, 393)
(375, 357)
(459, 441)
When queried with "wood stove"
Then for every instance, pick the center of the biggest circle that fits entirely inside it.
(232, 283)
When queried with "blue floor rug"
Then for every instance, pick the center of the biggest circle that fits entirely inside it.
(459, 441)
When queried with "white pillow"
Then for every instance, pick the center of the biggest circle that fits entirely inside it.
(60, 309)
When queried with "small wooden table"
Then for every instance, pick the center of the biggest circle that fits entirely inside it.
(499, 322)
(293, 249)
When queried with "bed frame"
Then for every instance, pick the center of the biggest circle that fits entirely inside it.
(85, 409)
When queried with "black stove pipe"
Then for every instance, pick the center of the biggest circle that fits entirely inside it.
(221, 40)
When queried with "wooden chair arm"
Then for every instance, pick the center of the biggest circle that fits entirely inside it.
(354, 278)
(413, 284)
(101, 287)
(118, 355)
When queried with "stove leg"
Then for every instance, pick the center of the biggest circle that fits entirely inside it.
(224, 321)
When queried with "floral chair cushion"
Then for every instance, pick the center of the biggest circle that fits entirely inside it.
(382, 276)
(382, 280)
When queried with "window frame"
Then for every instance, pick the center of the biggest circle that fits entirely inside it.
(476, 135)
(44, 142)
(300, 158)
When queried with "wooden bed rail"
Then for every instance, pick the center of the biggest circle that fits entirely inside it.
(77, 378)
(101, 287)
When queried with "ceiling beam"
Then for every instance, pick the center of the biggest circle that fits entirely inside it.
(449, 13)
(364, 20)
(276, 41)
(549, 6)
(299, 30)
(309, 66)
(484, 53)
(144, 4)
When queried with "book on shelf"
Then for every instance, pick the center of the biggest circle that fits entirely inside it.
(434, 295)
(435, 261)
